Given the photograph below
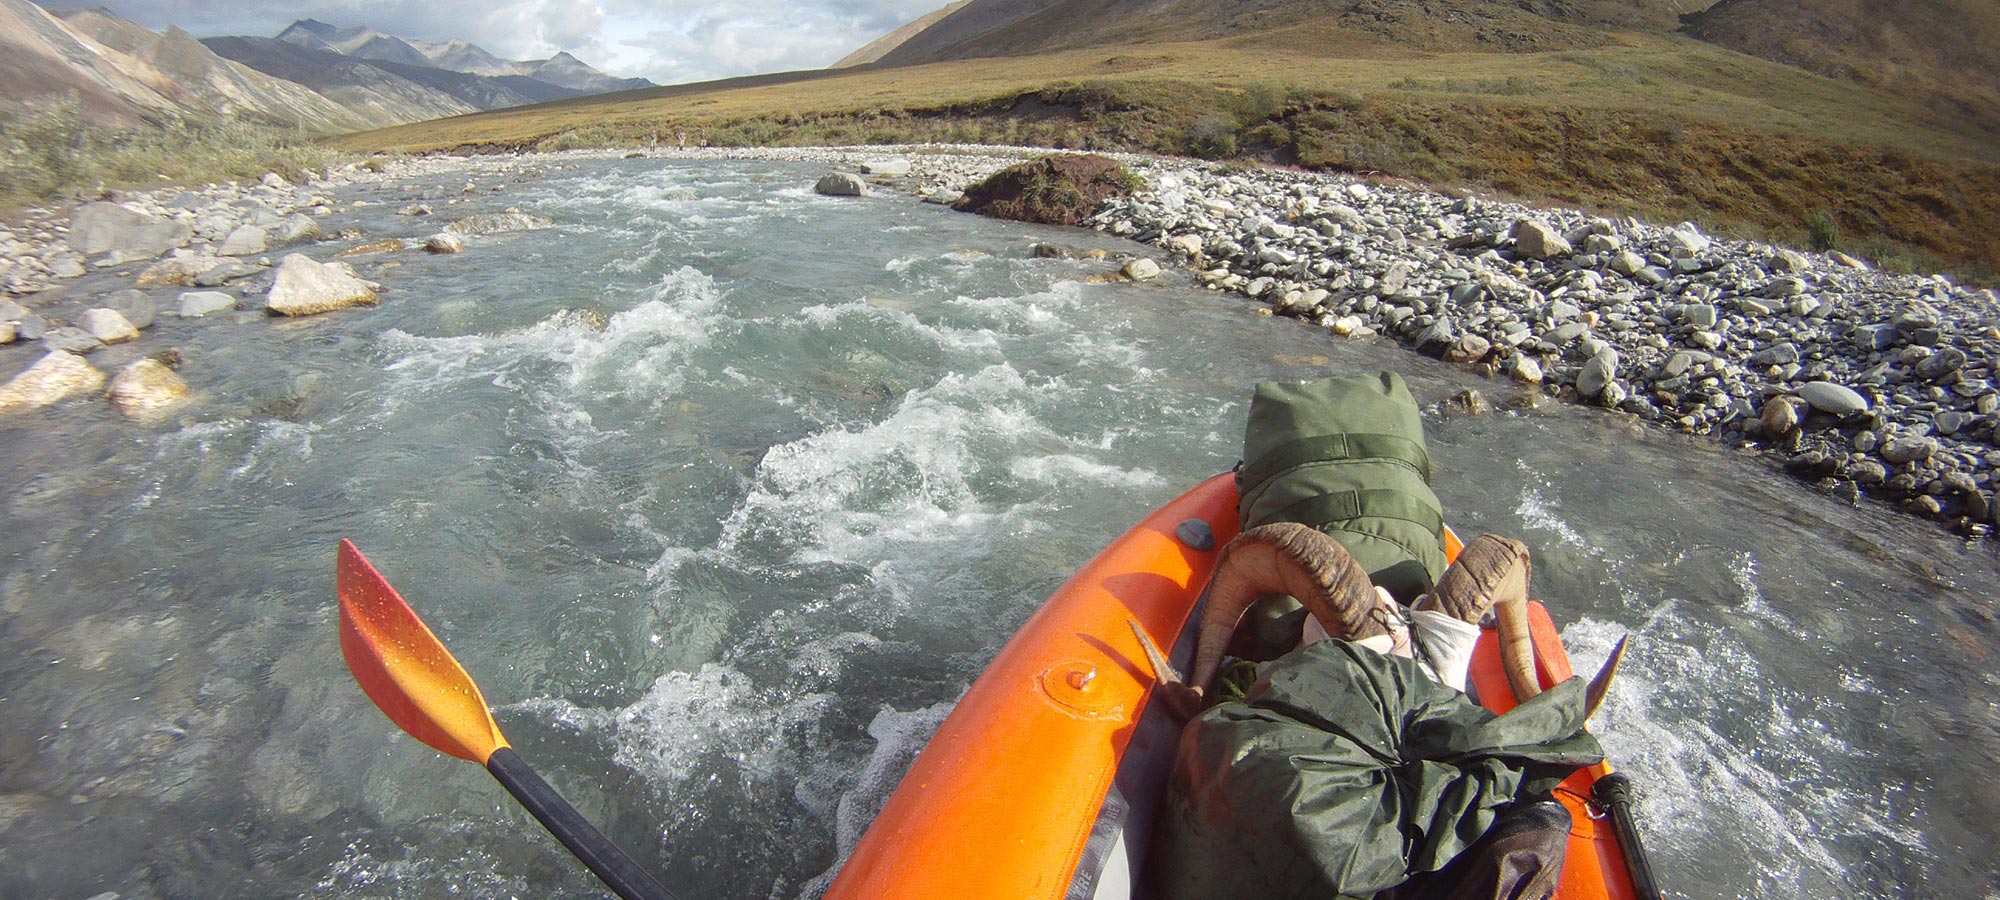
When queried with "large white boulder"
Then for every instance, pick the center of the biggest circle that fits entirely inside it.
(195, 304)
(894, 167)
(146, 387)
(57, 376)
(108, 227)
(107, 325)
(304, 287)
(245, 240)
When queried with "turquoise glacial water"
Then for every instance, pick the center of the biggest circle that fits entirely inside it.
(724, 491)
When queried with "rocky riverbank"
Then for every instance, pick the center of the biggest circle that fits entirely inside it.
(1860, 380)
(87, 286)
(1865, 381)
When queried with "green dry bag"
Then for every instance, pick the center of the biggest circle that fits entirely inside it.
(1344, 455)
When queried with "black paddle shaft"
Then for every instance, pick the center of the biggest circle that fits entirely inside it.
(605, 860)
(1613, 793)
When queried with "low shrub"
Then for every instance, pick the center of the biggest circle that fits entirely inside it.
(1822, 232)
(49, 154)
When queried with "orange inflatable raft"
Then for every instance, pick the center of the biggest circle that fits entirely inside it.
(1043, 781)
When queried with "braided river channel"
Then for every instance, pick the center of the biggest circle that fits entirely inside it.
(724, 491)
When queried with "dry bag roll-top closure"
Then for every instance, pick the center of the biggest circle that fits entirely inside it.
(1344, 455)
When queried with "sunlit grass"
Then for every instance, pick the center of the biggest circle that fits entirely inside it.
(1652, 125)
(50, 155)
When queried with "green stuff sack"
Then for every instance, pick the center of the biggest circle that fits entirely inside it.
(1347, 772)
(1344, 455)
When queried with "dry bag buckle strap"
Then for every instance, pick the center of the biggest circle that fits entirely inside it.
(1334, 447)
(1323, 510)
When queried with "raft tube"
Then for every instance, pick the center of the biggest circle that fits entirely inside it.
(1044, 780)
(1004, 801)
(1594, 865)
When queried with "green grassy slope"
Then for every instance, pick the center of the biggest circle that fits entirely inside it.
(1941, 54)
(1647, 123)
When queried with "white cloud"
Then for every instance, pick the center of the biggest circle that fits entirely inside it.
(536, 28)
(670, 41)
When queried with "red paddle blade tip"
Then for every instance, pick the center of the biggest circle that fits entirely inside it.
(405, 669)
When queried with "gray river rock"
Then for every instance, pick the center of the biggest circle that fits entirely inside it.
(841, 184)
(195, 304)
(1484, 282)
(111, 228)
(723, 532)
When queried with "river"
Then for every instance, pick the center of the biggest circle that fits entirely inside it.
(724, 491)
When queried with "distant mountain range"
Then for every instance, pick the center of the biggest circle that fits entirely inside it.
(361, 42)
(313, 75)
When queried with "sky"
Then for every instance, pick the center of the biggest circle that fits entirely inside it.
(668, 41)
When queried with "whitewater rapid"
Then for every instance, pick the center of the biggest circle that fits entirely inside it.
(724, 491)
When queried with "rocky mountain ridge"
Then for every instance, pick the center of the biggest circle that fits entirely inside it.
(881, 46)
(314, 77)
(364, 42)
(196, 78)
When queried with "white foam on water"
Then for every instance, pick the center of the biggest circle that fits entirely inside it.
(851, 493)
(970, 340)
(829, 316)
(1100, 348)
(1761, 795)
(899, 736)
(820, 661)
(935, 272)
(1537, 511)
(1065, 468)
(1031, 313)
(837, 315)
(687, 718)
(1696, 717)
(667, 196)
(641, 351)
(253, 450)
(362, 872)
(640, 262)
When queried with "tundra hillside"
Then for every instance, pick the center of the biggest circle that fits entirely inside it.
(1548, 109)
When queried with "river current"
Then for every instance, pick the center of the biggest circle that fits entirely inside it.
(724, 491)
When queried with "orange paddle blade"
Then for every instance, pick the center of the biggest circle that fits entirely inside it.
(405, 669)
